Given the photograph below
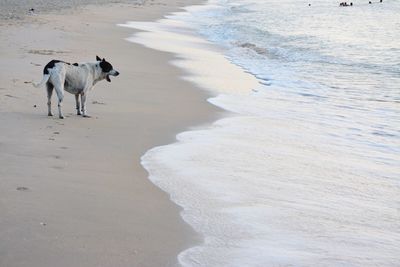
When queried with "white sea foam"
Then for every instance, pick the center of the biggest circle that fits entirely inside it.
(289, 180)
(205, 66)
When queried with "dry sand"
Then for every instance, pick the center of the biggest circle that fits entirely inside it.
(17, 10)
(72, 191)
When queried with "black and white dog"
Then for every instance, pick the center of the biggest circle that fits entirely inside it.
(77, 79)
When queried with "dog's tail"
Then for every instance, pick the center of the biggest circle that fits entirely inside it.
(44, 80)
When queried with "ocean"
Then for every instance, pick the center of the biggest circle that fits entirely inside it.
(304, 169)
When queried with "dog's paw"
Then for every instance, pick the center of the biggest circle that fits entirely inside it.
(86, 116)
(50, 114)
(61, 117)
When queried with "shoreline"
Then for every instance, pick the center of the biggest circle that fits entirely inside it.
(176, 167)
(69, 193)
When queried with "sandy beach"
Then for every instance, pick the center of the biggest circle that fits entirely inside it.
(238, 133)
(72, 191)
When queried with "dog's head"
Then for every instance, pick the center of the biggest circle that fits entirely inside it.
(107, 69)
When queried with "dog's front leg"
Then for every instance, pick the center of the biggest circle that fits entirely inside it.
(78, 106)
(83, 100)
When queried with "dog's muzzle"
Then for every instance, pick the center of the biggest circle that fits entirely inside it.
(112, 73)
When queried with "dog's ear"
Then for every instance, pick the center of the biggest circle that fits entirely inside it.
(98, 58)
(104, 60)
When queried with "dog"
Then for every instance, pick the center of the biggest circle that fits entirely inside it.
(76, 78)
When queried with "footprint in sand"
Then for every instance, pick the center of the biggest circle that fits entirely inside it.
(11, 96)
(58, 167)
(98, 103)
(52, 138)
(46, 52)
(22, 188)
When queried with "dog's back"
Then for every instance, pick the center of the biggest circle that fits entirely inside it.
(51, 65)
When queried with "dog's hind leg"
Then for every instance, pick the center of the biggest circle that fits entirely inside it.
(78, 106)
(50, 88)
(60, 95)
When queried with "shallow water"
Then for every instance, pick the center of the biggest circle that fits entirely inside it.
(307, 170)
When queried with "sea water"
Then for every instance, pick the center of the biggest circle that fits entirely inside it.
(305, 169)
